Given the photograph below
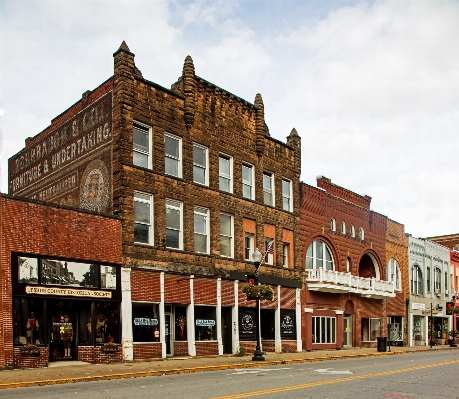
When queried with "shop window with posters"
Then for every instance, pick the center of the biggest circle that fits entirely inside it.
(107, 322)
(205, 323)
(267, 324)
(145, 322)
(28, 321)
(247, 324)
(287, 324)
(180, 323)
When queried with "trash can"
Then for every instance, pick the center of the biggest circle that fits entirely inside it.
(382, 344)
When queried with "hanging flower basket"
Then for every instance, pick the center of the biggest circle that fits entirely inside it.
(30, 349)
(258, 292)
(109, 347)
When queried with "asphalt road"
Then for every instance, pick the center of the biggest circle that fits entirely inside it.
(432, 375)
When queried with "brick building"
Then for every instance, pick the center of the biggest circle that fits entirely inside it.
(45, 252)
(199, 184)
(345, 248)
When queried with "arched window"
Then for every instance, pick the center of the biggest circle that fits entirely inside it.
(352, 230)
(416, 280)
(437, 280)
(361, 234)
(348, 265)
(333, 224)
(319, 256)
(393, 273)
(343, 227)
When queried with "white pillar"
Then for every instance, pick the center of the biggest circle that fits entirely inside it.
(299, 342)
(162, 317)
(219, 316)
(277, 323)
(235, 319)
(190, 321)
(126, 315)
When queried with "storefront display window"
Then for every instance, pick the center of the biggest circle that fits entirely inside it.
(145, 322)
(287, 325)
(107, 322)
(180, 323)
(247, 324)
(323, 330)
(205, 323)
(267, 324)
(396, 330)
(85, 326)
(371, 329)
(28, 321)
(28, 270)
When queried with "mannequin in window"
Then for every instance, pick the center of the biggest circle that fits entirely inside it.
(32, 328)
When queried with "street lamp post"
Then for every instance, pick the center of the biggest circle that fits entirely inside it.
(258, 354)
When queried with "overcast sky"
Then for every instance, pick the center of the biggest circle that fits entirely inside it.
(371, 87)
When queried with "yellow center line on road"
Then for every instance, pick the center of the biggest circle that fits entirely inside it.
(327, 382)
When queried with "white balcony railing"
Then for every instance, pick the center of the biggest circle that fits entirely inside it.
(332, 281)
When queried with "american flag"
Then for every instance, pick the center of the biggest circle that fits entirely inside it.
(270, 249)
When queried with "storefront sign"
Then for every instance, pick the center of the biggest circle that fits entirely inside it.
(418, 306)
(287, 325)
(67, 292)
(145, 321)
(205, 323)
(247, 324)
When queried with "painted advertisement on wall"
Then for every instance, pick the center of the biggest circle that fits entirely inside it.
(72, 164)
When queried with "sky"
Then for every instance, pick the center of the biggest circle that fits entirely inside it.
(371, 87)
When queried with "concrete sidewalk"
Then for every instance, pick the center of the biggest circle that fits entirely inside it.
(73, 371)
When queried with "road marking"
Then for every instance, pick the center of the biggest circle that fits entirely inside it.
(255, 371)
(327, 382)
(331, 371)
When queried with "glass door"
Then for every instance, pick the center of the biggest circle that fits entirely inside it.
(347, 331)
(62, 337)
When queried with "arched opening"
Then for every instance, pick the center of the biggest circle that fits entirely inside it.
(368, 267)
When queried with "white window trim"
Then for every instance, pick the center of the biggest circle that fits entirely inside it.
(393, 272)
(437, 279)
(231, 236)
(230, 159)
(352, 230)
(290, 195)
(333, 224)
(149, 154)
(179, 160)
(270, 260)
(150, 229)
(251, 237)
(207, 215)
(314, 255)
(285, 257)
(273, 188)
(361, 234)
(421, 279)
(343, 227)
(179, 206)
(206, 169)
(320, 319)
(252, 187)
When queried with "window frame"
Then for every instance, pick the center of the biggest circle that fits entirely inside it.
(429, 279)
(288, 196)
(333, 224)
(244, 183)
(416, 280)
(205, 167)
(393, 269)
(371, 321)
(285, 252)
(231, 236)
(361, 234)
(269, 258)
(151, 215)
(148, 153)
(343, 227)
(229, 178)
(199, 210)
(178, 159)
(352, 230)
(249, 239)
(324, 335)
(437, 279)
(269, 191)
(315, 258)
(178, 207)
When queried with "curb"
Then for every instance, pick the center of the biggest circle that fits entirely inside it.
(189, 370)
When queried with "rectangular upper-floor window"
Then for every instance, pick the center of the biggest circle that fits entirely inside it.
(226, 235)
(437, 279)
(225, 173)
(285, 252)
(248, 188)
(141, 145)
(287, 195)
(174, 224)
(200, 162)
(172, 155)
(143, 218)
(268, 188)
(201, 230)
(429, 289)
(248, 246)
(269, 250)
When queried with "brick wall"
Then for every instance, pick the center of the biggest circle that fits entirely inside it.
(35, 228)
(180, 348)
(95, 355)
(147, 351)
(30, 361)
(204, 348)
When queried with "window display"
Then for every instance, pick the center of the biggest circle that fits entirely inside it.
(27, 321)
(247, 324)
(205, 323)
(145, 322)
(371, 329)
(180, 323)
(287, 324)
(107, 326)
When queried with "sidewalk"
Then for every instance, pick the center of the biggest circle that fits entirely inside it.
(74, 371)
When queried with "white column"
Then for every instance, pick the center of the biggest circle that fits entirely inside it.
(219, 316)
(235, 319)
(277, 323)
(162, 317)
(126, 315)
(299, 342)
(190, 321)
(409, 328)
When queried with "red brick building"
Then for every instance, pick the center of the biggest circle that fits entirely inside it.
(199, 183)
(345, 298)
(40, 247)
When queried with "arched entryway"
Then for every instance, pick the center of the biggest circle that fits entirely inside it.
(368, 267)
